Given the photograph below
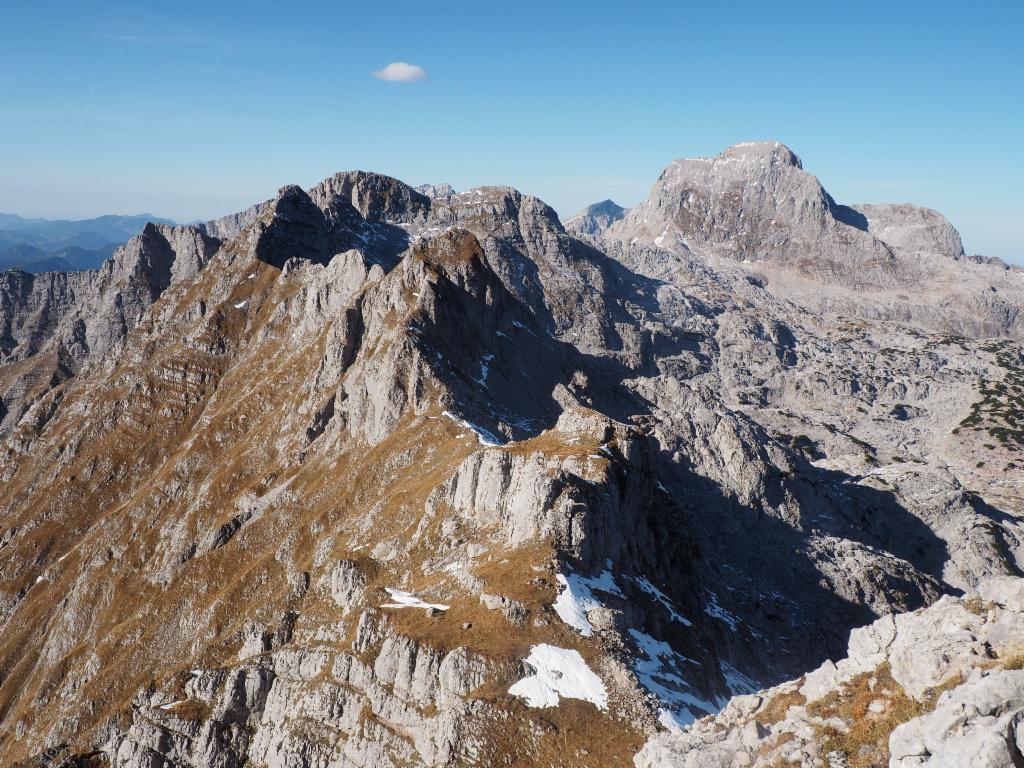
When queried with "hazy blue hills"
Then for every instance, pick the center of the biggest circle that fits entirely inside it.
(49, 245)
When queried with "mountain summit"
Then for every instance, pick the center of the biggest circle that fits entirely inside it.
(596, 218)
(374, 476)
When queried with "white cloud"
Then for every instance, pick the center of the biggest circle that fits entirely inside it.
(400, 72)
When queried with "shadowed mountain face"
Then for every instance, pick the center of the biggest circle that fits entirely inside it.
(374, 476)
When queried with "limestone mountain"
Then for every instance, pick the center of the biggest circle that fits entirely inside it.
(369, 475)
(596, 218)
(755, 204)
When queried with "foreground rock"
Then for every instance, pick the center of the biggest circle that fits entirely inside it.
(942, 686)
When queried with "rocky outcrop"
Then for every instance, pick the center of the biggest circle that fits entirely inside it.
(52, 324)
(910, 228)
(755, 204)
(596, 218)
(978, 723)
(230, 226)
(386, 701)
(940, 686)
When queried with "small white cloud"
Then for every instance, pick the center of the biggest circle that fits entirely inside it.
(400, 72)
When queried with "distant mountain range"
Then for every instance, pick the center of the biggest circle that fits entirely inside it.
(60, 245)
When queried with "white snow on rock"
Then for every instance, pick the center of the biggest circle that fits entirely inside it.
(716, 611)
(483, 436)
(404, 599)
(485, 368)
(661, 673)
(577, 598)
(738, 683)
(644, 583)
(558, 673)
(241, 305)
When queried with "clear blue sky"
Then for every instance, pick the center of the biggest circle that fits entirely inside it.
(191, 110)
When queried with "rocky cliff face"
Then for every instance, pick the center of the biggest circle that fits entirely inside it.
(596, 218)
(755, 204)
(52, 323)
(374, 476)
(910, 228)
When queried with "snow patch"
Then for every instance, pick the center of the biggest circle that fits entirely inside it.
(519, 325)
(738, 683)
(661, 673)
(483, 436)
(716, 611)
(559, 672)
(645, 584)
(577, 598)
(241, 305)
(485, 368)
(404, 599)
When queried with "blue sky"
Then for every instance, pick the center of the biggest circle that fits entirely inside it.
(191, 110)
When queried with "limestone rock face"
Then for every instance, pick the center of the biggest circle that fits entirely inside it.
(227, 227)
(980, 723)
(596, 218)
(755, 204)
(911, 228)
(937, 687)
(311, 485)
(53, 323)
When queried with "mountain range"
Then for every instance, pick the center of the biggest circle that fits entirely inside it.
(369, 475)
(59, 245)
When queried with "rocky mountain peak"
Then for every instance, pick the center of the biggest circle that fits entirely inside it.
(754, 204)
(373, 195)
(772, 151)
(291, 226)
(436, 190)
(912, 228)
(595, 218)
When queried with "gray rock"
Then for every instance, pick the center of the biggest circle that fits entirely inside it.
(596, 218)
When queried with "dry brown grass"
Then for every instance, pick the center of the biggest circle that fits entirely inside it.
(192, 710)
(866, 743)
(976, 605)
(775, 709)
(1013, 661)
(572, 734)
(204, 415)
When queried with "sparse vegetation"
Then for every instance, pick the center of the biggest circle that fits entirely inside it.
(775, 709)
(1000, 411)
(975, 605)
(871, 706)
(1015, 661)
